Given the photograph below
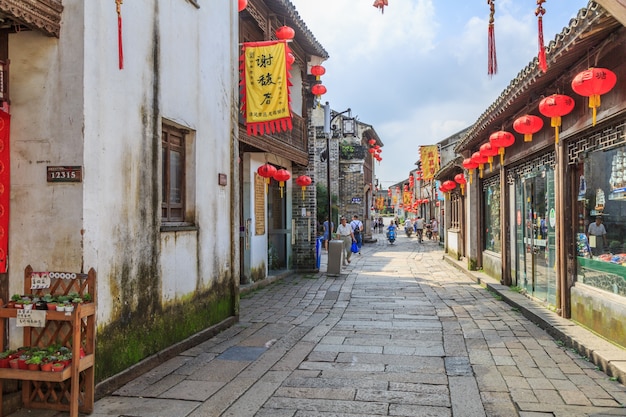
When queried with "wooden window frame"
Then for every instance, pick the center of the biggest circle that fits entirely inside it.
(168, 144)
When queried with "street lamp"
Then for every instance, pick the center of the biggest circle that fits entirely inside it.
(328, 121)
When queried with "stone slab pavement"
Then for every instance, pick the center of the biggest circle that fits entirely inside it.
(404, 331)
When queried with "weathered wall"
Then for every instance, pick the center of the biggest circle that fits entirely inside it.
(71, 105)
(600, 311)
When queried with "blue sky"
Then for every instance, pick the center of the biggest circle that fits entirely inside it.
(418, 72)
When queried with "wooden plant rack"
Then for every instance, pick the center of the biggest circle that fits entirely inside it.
(72, 389)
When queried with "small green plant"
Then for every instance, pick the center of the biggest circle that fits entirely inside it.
(560, 343)
(16, 297)
(515, 309)
(613, 378)
(516, 289)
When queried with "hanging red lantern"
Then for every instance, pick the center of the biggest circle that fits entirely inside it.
(318, 90)
(470, 166)
(411, 180)
(281, 176)
(527, 125)
(460, 179)
(593, 83)
(449, 185)
(243, 4)
(372, 151)
(290, 58)
(318, 71)
(285, 33)
(372, 142)
(554, 107)
(389, 192)
(488, 150)
(267, 171)
(303, 181)
(501, 139)
(481, 161)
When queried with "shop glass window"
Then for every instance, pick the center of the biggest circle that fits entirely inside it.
(601, 207)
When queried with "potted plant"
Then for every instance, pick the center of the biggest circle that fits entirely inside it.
(58, 367)
(87, 298)
(4, 358)
(34, 362)
(14, 299)
(27, 304)
(46, 366)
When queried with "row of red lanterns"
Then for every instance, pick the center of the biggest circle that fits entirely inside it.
(375, 150)
(591, 83)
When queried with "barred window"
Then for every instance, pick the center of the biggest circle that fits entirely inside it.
(173, 175)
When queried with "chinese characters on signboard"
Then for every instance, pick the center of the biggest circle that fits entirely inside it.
(265, 95)
(429, 156)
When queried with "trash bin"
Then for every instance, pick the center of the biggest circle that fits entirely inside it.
(318, 252)
(335, 249)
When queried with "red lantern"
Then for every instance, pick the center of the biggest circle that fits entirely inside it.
(460, 179)
(481, 161)
(303, 181)
(554, 107)
(243, 4)
(527, 125)
(501, 139)
(372, 142)
(488, 150)
(318, 89)
(285, 33)
(372, 151)
(318, 71)
(470, 166)
(449, 185)
(281, 176)
(290, 58)
(593, 83)
(389, 192)
(267, 171)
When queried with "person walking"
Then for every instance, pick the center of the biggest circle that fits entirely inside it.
(434, 224)
(327, 234)
(344, 230)
(357, 230)
(419, 228)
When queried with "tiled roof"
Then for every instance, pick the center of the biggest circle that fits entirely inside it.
(304, 36)
(588, 29)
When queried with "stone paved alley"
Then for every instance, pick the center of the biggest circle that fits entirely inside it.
(400, 333)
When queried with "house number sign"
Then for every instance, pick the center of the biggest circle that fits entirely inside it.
(67, 173)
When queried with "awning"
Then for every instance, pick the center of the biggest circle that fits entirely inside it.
(41, 15)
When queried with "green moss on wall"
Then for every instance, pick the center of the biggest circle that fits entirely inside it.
(471, 264)
(120, 345)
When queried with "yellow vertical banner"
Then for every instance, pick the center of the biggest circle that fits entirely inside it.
(429, 156)
(265, 81)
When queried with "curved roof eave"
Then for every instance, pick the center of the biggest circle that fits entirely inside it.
(304, 36)
(585, 30)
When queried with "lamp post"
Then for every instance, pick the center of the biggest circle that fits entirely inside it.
(328, 121)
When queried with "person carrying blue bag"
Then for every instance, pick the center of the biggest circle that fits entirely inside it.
(344, 230)
(357, 230)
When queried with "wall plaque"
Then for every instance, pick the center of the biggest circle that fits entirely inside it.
(67, 173)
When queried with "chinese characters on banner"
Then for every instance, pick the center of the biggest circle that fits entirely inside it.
(265, 81)
(429, 156)
(5, 186)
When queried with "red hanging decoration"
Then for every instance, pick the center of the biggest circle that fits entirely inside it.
(501, 139)
(285, 33)
(539, 12)
(318, 71)
(460, 179)
(527, 125)
(243, 4)
(267, 171)
(380, 4)
(447, 186)
(480, 160)
(281, 176)
(290, 58)
(372, 142)
(120, 48)
(492, 64)
(470, 165)
(593, 83)
(488, 150)
(554, 107)
(303, 181)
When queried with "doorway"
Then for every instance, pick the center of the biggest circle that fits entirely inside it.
(535, 246)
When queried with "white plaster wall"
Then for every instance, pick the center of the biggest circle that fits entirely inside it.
(71, 105)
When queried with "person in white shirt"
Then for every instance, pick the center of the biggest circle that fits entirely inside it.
(344, 230)
(598, 230)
